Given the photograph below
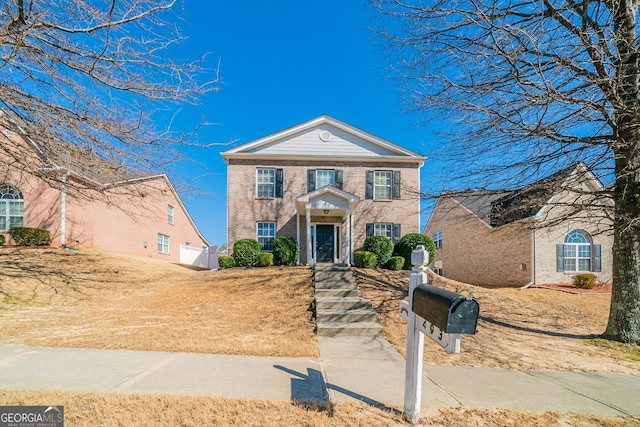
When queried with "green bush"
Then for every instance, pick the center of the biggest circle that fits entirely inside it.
(26, 236)
(584, 281)
(265, 259)
(2, 240)
(410, 241)
(225, 261)
(246, 252)
(364, 259)
(285, 250)
(395, 263)
(379, 245)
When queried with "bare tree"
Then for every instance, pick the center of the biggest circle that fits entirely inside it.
(87, 78)
(532, 86)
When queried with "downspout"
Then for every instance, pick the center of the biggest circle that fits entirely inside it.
(533, 261)
(63, 209)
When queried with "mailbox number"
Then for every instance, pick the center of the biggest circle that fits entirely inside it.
(432, 329)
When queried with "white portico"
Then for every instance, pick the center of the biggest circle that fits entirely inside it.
(328, 214)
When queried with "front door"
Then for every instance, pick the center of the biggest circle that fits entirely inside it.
(325, 243)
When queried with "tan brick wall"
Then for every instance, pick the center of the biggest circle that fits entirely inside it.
(474, 253)
(244, 209)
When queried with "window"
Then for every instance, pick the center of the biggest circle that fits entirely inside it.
(438, 271)
(266, 232)
(382, 181)
(317, 178)
(437, 239)
(269, 183)
(324, 177)
(386, 229)
(578, 254)
(382, 185)
(163, 243)
(11, 207)
(170, 214)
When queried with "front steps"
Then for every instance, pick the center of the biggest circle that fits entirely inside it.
(340, 310)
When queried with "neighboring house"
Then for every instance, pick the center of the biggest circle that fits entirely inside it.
(86, 202)
(325, 183)
(533, 235)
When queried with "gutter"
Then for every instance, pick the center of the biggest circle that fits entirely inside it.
(533, 262)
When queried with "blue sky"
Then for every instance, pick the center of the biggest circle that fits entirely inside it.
(282, 63)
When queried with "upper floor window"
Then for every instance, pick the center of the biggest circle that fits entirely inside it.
(578, 253)
(268, 183)
(266, 233)
(170, 212)
(318, 178)
(163, 243)
(11, 207)
(382, 185)
(437, 239)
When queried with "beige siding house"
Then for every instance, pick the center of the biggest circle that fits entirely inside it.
(529, 236)
(85, 202)
(325, 183)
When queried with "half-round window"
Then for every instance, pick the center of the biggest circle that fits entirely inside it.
(11, 207)
(577, 251)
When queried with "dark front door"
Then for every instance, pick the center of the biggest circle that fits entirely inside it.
(324, 243)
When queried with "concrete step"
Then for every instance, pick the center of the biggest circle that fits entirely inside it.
(342, 303)
(336, 285)
(357, 315)
(326, 293)
(351, 329)
(332, 278)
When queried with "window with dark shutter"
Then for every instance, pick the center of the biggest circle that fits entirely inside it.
(559, 258)
(369, 229)
(597, 258)
(396, 185)
(369, 187)
(279, 182)
(311, 180)
(396, 234)
(338, 181)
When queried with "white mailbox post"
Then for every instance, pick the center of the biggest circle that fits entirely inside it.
(448, 315)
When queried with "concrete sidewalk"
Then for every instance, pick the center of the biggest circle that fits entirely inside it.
(349, 368)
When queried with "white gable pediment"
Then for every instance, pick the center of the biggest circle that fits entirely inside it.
(326, 138)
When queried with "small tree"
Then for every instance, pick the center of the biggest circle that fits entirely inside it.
(246, 252)
(381, 246)
(411, 241)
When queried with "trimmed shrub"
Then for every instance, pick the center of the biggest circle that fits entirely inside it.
(26, 236)
(265, 259)
(225, 261)
(285, 250)
(379, 245)
(584, 281)
(2, 240)
(364, 259)
(410, 241)
(246, 252)
(395, 263)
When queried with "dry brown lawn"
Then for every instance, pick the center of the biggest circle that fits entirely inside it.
(96, 300)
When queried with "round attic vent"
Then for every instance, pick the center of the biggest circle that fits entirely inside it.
(325, 135)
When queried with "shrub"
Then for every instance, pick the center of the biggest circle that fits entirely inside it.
(246, 252)
(26, 236)
(364, 259)
(225, 261)
(379, 245)
(395, 263)
(285, 250)
(410, 241)
(584, 281)
(2, 240)
(265, 259)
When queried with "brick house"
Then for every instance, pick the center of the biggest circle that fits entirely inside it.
(532, 235)
(325, 183)
(86, 202)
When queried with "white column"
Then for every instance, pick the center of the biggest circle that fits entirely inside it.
(298, 236)
(347, 236)
(63, 210)
(308, 216)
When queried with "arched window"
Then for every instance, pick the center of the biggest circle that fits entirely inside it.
(11, 207)
(577, 251)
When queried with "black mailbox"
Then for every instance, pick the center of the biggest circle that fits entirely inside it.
(451, 312)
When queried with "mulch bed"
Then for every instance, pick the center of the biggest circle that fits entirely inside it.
(598, 290)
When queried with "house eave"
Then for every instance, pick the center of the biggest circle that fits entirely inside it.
(368, 159)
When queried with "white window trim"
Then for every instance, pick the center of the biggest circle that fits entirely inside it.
(162, 244)
(272, 184)
(170, 214)
(272, 237)
(385, 186)
(333, 177)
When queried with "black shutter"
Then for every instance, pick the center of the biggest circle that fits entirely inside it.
(396, 185)
(338, 180)
(597, 258)
(311, 180)
(559, 258)
(368, 194)
(279, 179)
(395, 233)
(369, 229)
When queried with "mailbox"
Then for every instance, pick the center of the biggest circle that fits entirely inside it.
(451, 312)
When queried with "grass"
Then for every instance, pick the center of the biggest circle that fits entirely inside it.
(627, 352)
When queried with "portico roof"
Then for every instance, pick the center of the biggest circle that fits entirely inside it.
(326, 198)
